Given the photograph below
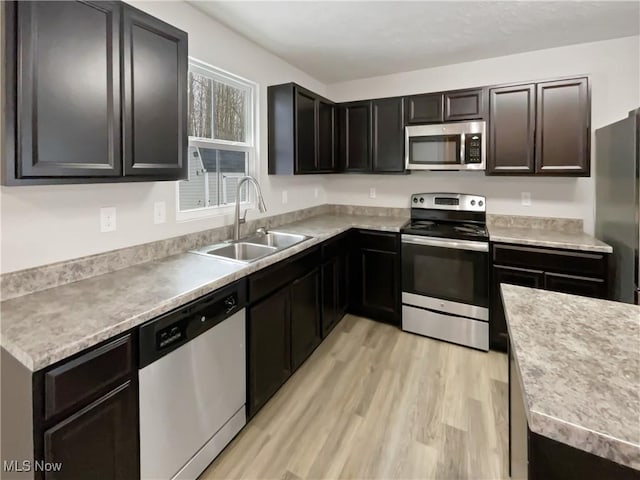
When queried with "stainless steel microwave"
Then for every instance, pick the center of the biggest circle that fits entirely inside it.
(446, 146)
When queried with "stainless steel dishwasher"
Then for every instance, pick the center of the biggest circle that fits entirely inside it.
(192, 382)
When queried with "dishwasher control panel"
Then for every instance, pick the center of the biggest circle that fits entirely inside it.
(169, 336)
(164, 334)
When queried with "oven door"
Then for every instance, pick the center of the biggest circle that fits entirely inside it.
(452, 275)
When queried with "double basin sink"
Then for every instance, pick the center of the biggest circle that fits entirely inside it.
(252, 248)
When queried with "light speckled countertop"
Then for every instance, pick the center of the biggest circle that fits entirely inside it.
(548, 238)
(47, 326)
(579, 364)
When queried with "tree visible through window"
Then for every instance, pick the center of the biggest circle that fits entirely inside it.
(221, 136)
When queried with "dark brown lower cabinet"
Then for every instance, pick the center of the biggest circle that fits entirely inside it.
(567, 271)
(269, 354)
(516, 276)
(305, 317)
(86, 414)
(375, 276)
(99, 441)
(334, 289)
(283, 323)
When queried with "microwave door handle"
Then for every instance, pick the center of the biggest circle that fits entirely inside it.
(461, 149)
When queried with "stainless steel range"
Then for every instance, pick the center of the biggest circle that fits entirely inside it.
(445, 269)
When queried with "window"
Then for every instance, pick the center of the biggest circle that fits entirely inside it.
(221, 138)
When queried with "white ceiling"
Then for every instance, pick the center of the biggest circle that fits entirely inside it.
(336, 41)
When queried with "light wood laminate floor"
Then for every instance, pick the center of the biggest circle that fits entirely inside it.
(375, 402)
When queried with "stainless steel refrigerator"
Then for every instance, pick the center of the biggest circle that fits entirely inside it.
(618, 202)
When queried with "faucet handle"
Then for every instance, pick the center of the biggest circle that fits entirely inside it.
(261, 231)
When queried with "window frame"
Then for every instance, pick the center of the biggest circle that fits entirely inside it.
(249, 146)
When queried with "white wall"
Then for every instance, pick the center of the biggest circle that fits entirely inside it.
(614, 66)
(45, 224)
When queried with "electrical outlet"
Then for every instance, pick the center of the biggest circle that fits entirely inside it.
(316, 192)
(108, 219)
(159, 212)
(372, 192)
(285, 197)
(526, 199)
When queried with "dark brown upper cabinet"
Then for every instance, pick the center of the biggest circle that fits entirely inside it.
(155, 97)
(464, 105)
(355, 136)
(301, 131)
(562, 127)
(327, 145)
(64, 128)
(512, 118)
(426, 108)
(540, 129)
(80, 107)
(388, 135)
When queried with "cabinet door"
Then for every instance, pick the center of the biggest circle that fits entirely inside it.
(380, 285)
(305, 317)
(342, 282)
(464, 105)
(68, 96)
(269, 355)
(511, 130)
(99, 441)
(326, 136)
(355, 137)
(388, 135)
(587, 287)
(305, 132)
(424, 108)
(329, 276)
(563, 118)
(154, 97)
(517, 276)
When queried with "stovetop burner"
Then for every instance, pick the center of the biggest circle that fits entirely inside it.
(470, 229)
(459, 217)
(423, 224)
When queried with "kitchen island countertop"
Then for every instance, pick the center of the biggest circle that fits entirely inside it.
(578, 360)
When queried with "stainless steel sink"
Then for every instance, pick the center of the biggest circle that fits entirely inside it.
(255, 247)
(242, 251)
(278, 240)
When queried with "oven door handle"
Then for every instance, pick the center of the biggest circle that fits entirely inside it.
(446, 243)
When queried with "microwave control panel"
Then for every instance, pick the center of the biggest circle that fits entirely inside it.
(473, 148)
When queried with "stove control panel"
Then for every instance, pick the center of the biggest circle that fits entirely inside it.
(449, 201)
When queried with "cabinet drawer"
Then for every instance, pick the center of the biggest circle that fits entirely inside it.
(587, 287)
(83, 378)
(549, 260)
(384, 241)
(271, 279)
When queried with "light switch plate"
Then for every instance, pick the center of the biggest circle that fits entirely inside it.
(108, 219)
(526, 199)
(159, 212)
(285, 197)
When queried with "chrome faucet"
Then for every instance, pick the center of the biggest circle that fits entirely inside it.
(261, 206)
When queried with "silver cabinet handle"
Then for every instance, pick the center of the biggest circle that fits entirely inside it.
(446, 243)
